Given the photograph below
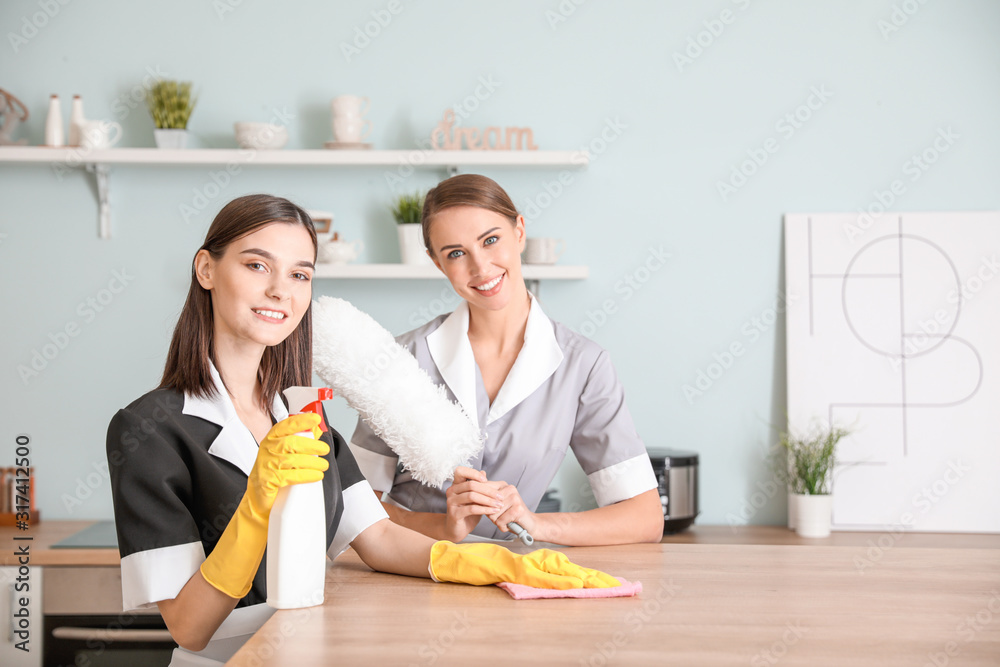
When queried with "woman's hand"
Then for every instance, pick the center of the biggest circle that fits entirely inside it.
(283, 458)
(513, 509)
(482, 564)
(469, 497)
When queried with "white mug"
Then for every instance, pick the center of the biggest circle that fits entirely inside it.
(351, 130)
(97, 133)
(350, 105)
(542, 250)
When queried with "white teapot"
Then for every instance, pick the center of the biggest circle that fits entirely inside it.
(336, 251)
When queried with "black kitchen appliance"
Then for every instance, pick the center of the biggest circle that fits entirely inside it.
(677, 477)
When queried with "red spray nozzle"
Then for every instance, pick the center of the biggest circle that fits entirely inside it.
(309, 399)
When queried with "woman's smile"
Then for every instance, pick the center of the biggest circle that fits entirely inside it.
(262, 285)
(275, 316)
(492, 286)
(480, 253)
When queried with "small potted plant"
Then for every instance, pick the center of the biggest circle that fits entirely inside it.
(807, 469)
(407, 210)
(170, 103)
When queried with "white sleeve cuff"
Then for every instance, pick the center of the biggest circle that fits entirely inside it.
(378, 469)
(361, 510)
(158, 574)
(622, 480)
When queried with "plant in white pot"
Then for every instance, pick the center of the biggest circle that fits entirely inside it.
(170, 103)
(407, 210)
(807, 468)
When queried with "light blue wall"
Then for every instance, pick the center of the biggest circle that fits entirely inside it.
(655, 185)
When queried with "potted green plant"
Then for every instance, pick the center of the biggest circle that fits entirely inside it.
(807, 469)
(170, 103)
(407, 210)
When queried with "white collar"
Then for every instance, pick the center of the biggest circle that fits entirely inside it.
(234, 443)
(452, 353)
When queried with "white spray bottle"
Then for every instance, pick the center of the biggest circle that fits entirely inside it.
(296, 529)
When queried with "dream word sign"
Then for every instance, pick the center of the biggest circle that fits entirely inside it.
(448, 137)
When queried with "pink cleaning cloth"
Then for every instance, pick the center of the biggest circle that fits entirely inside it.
(521, 592)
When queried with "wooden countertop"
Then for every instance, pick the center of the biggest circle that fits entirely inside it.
(46, 533)
(707, 600)
(713, 595)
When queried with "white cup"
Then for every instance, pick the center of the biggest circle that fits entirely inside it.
(96, 134)
(350, 105)
(351, 129)
(543, 250)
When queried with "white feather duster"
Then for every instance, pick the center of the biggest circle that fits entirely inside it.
(379, 378)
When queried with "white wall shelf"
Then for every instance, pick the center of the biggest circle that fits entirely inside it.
(321, 157)
(533, 273)
(418, 271)
(99, 162)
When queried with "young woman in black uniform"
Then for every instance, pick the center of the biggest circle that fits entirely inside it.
(196, 464)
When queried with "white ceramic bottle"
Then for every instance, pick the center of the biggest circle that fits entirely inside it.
(54, 123)
(296, 529)
(75, 118)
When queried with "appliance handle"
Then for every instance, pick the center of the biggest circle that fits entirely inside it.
(123, 635)
(12, 610)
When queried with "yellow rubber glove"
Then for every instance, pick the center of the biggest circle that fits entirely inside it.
(480, 563)
(282, 459)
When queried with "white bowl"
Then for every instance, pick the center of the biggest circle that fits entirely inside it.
(339, 252)
(261, 136)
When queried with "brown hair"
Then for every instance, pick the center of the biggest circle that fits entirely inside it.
(465, 190)
(287, 364)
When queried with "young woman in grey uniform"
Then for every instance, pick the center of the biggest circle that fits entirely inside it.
(535, 387)
(196, 464)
